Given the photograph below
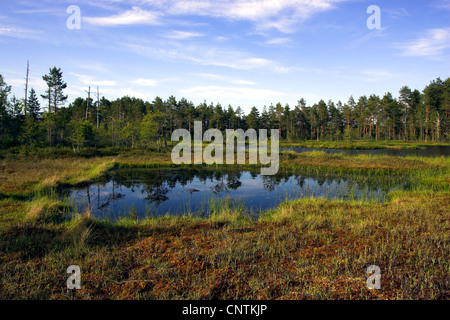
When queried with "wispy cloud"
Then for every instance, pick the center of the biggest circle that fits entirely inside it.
(441, 4)
(280, 14)
(396, 13)
(205, 55)
(181, 35)
(18, 32)
(222, 93)
(147, 82)
(112, 92)
(366, 37)
(34, 82)
(134, 93)
(277, 41)
(117, 92)
(92, 66)
(244, 82)
(377, 75)
(237, 60)
(131, 17)
(43, 11)
(433, 43)
(88, 80)
(218, 77)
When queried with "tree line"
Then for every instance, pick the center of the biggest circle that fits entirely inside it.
(95, 121)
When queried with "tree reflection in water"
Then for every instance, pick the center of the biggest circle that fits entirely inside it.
(175, 189)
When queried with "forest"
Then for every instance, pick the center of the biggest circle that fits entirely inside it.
(95, 121)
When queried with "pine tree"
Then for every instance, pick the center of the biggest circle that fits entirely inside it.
(54, 93)
(33, 106)
(253, 119)
(405, 101)
(30, 133)
(5, 116)
(322, 112)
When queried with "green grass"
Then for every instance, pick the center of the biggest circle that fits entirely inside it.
(362, 144)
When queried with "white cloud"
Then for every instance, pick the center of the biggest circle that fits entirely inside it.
(283, 15)
(278, 41)
(18, 32)
(377, 75)
(88, 80)
(134, 16)
(441, 4)
(146, 82)
(221, 38)
(218, 77)
(236, 60)
(244, 82)
(220, 93)
(366, 37)
(432, 43)
(46, 11)
(134, 93)
(33, 82)
(76, 91)
(180, 35)
(116, 92)
(279, 14)
(204, 55)
(258, 62)
(92, 66)
(211, 76)
(396, 13)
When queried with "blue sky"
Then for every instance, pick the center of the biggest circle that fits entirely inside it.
(243, 53)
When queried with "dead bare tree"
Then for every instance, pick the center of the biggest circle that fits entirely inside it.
(87, 102)
(98, 107)
(26, 88)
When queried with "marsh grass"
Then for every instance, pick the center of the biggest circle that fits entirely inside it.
(380, 144)
(304, 249)
(226, 211)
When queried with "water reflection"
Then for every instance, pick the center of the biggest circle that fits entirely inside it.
(173, 191)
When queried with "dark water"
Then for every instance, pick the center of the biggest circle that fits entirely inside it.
(159, 191)
(429, 151)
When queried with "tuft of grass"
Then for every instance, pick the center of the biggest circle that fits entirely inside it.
(46, 208)
(227, 212)
(81, 231)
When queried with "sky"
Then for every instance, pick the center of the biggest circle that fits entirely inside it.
(243, 53)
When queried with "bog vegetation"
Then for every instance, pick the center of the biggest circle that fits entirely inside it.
(303, 249)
